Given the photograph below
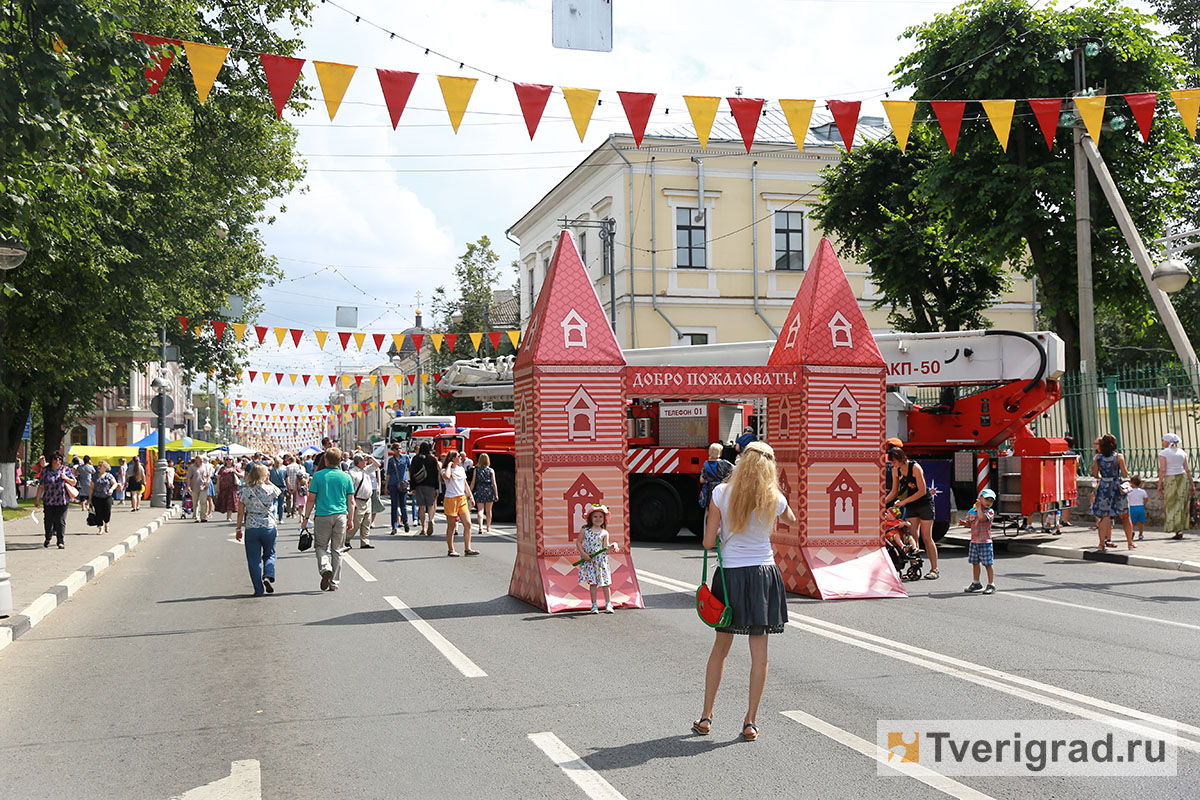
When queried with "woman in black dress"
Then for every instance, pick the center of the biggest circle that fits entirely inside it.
(484, 489)
(912, 495)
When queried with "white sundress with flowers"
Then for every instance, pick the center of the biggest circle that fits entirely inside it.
(594, 572)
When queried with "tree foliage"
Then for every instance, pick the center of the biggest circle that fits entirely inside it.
(119, 195)
(875, 202)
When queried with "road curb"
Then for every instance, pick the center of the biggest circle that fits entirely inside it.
(18, 625)
(1108, 557)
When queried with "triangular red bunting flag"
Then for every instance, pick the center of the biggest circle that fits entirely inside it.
(949, 114)
(532, 97)
(746, 111)
(1142, 106)
(379, 339)
(253, 375)
(332, 380)
(637, 110)
(358, 380)
(272, 406)
(494, 338)
(261, 331)
(219, 327)
(306, 377)
(296, 334)
(451, 340)
(417, 338)
(1047, 111)
(437, 376)
(282, 73)
(156, 73)
(396, 87)
(845, 115)
(412, 379)
(345, 337)
(183, 321)
(384, 378)
(279, 377)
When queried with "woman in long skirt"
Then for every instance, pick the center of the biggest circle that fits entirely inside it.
(1175, 485)
(742, 515)
(227, 487)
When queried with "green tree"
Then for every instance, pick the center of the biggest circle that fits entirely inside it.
(477, 275)
(1017, 207)
(874, 200)
(121, 212)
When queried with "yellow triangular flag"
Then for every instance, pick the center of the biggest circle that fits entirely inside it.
(240, 374)
(398, 340)
(358, 339)
(1188, 103)
(293, 376)
(703, 111)
(321, 338)
(900, 114)
(1000, 114)
(1091, 111)
(514, 337)
(798, 114)
(266, 376)
(319, 379)
(198, 330)
(205, 61)
(456, 92)
(372, 379)
(425, 377)
(581, 103)
(279, 334)
(345, 380)
(476, 340)
(334, 79)
(437, 341)
(239, 329)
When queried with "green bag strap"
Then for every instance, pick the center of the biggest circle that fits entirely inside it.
(720, 565)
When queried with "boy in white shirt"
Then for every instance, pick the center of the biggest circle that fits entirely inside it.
(1137, 505)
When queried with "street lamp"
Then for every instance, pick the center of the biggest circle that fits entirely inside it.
(158, 496)
(12, 253)
(1171, 275)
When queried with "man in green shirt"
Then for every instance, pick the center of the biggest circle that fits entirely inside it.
(331, 501)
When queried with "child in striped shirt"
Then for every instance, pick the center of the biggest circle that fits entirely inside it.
(979, 551)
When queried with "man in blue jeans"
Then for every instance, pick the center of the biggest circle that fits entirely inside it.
(397, 485)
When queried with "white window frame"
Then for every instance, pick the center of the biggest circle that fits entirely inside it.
(805, 233)
(677, 199)
(788, 202)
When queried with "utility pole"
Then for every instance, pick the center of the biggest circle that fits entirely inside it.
(1089, 376)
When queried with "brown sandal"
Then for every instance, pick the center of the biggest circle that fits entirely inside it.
(700, 728)
(749, 731)
(453, 553)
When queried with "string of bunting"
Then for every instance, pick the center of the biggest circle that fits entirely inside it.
(296, 335)
(320, 379)
(282, 73)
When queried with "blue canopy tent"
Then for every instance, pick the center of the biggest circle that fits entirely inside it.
(310, 449)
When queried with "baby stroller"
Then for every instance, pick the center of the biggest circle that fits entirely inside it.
(907, 560)
(187, 504)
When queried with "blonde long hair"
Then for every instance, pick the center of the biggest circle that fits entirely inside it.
(257, 475)
(753, 487)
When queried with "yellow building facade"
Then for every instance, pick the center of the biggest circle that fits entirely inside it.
(711, 244)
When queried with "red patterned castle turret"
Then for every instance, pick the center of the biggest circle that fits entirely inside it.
(570, 434)
(828, 442)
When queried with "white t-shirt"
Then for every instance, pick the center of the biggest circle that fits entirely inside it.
(362, 483)
(1176, 459)
(1137, 496)
(750, 547)
(457, 485)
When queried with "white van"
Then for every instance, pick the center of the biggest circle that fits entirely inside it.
(401, 428)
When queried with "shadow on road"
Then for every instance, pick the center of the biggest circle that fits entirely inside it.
(500, 606)
(636, 754)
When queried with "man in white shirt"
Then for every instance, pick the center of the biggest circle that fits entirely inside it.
(292, 467)
(361, 470)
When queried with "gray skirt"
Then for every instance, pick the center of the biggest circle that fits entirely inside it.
(425, 495)
(757, 597)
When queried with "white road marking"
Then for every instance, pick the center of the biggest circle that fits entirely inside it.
(1027, 689)
(455, 656)
(354, 565)
(932, 779)
(575, 768)
(243, 783)
(1024, 596)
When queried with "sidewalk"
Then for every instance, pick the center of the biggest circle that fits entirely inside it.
(43, 578)
(1158, 550)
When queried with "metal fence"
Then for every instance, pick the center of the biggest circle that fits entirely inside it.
(1137, 405)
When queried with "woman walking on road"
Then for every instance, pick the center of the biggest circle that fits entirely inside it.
(484, 490)
(100, 498)
(119, 475)
(135, 482)
(456, 501)
(227, 486)
(742, 515)
(52, 492)
(257, 501)
(1175, 484)
(1108, 500)
(424, 474)
(912, 495)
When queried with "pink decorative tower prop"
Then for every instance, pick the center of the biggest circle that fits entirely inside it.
(828, 442)
(569, 386)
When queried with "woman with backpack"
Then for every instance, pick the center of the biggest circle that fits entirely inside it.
(424, 471)
(135, 482)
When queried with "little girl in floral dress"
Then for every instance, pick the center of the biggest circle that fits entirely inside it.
(593, 546)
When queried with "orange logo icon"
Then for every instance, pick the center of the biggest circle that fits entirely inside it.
(907, 750)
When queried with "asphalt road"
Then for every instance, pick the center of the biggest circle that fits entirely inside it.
(154, 680)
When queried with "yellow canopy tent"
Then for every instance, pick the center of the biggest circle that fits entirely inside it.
(106, 453)
(193, 445)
